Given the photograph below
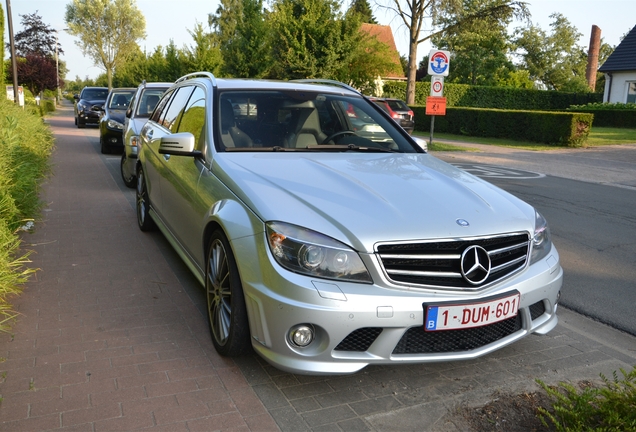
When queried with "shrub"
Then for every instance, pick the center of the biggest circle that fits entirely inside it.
(25, 147)
(610, 114)
(556, 128)
(609, 408)
(494, 97)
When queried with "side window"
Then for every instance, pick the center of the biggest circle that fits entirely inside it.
(160, 110)
(193, 118)
(176, 107)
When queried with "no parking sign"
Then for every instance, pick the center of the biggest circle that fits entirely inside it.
(438, 62)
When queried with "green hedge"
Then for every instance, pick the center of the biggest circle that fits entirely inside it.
(618, 115)
(556, 128)
(494, 97)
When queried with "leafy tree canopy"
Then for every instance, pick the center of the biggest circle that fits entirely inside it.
(36, 37)
(108, 30)
(363, 9)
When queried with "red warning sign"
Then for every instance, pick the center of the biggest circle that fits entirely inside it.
(435, 105)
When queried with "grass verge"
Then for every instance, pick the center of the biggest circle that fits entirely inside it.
(26, 144)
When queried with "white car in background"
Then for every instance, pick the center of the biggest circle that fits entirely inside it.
(141, 106)
(325, 250)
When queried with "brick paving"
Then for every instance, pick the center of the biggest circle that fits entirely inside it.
(112, 335)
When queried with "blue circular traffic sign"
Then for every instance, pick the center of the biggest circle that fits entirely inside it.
(438, 63)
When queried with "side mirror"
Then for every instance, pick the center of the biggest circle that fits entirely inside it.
(179, 144)
(76, 97)
(129, 112)
(421, 142)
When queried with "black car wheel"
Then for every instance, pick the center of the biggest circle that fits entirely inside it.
(80, 125)
(104, 146)
(144, 220)
(129, 180)
(226, 303)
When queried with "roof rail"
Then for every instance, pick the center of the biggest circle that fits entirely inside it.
(197, 75)
(330, 82)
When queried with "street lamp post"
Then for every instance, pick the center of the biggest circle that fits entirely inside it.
(57, 71)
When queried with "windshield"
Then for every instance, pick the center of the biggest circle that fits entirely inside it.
(95, 94)
(120, 100)
(295, 121)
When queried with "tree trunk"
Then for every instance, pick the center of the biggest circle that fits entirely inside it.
(109, 74)
(412, 71)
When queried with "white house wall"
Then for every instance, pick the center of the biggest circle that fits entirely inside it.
(619, 83)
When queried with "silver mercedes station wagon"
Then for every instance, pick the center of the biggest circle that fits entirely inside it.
(327, 242)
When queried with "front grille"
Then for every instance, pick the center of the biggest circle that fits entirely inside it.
(359, 340)
(418, 341)
(438, 263)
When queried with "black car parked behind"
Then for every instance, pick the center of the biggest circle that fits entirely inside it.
(111, 123)
(89, 104)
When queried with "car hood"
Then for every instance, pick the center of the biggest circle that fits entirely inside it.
(361, 199)
(117, 115)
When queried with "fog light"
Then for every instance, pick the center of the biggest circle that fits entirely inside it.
(302, 335)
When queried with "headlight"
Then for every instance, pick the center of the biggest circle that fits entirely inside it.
(313, 254)
(541, 241)
(81, 107)
(115, 125)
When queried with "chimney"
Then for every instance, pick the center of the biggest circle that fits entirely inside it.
(592, 57)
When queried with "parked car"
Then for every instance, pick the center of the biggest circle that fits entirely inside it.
(141, 106)
(399, 111)
(88, 105)
(326, 251)
(111, 122)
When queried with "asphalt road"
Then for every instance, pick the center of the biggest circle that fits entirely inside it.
(592, 218)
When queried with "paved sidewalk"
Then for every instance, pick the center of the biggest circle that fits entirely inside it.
(111, 336)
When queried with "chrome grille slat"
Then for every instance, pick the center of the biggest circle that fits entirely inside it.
(437, 263)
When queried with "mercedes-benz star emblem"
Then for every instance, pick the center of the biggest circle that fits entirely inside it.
(475, 264)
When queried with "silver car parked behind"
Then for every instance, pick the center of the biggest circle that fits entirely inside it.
(141, 106)
(325, 250)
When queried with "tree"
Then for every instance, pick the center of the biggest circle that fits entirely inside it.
(363, 9)
(555, 59)
(479, 48)
(413, 14)
(108, 30)
(35, 50)
(311, 39)
(243, 36)
(205, 54)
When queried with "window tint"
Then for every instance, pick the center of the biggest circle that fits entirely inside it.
(175, 108)
(161, 109)
(398, 105)
(120, 100)
(149, 100)
(90, 94)
(193, 118)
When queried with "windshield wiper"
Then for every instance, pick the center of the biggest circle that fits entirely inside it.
(348, 147)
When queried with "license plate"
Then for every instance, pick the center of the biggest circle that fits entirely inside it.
(467, 315)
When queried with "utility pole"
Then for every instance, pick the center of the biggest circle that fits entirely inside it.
(14, 61)
(57, 72)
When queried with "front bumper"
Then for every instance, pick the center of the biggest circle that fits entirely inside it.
(359, 324)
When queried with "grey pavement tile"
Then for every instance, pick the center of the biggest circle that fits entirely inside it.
(288, 420)
(305, 404)
(354, 425)
(271, 396)
(305, 390)
(328, 415)
(340, 397)
(385, 403)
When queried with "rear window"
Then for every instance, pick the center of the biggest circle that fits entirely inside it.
(398, 105)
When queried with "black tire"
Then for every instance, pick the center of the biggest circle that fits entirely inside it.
(75, 120)
(80, 125)
(227, 315)
(104, 147)
(144, 220)
(130, 181)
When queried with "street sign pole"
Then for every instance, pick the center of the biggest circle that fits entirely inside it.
(438, 65)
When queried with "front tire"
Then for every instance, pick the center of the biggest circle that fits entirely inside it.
(104, 147)
(144, 220)
(129, 180)
(227, 314)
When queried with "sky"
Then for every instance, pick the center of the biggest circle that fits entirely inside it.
(171, 19)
